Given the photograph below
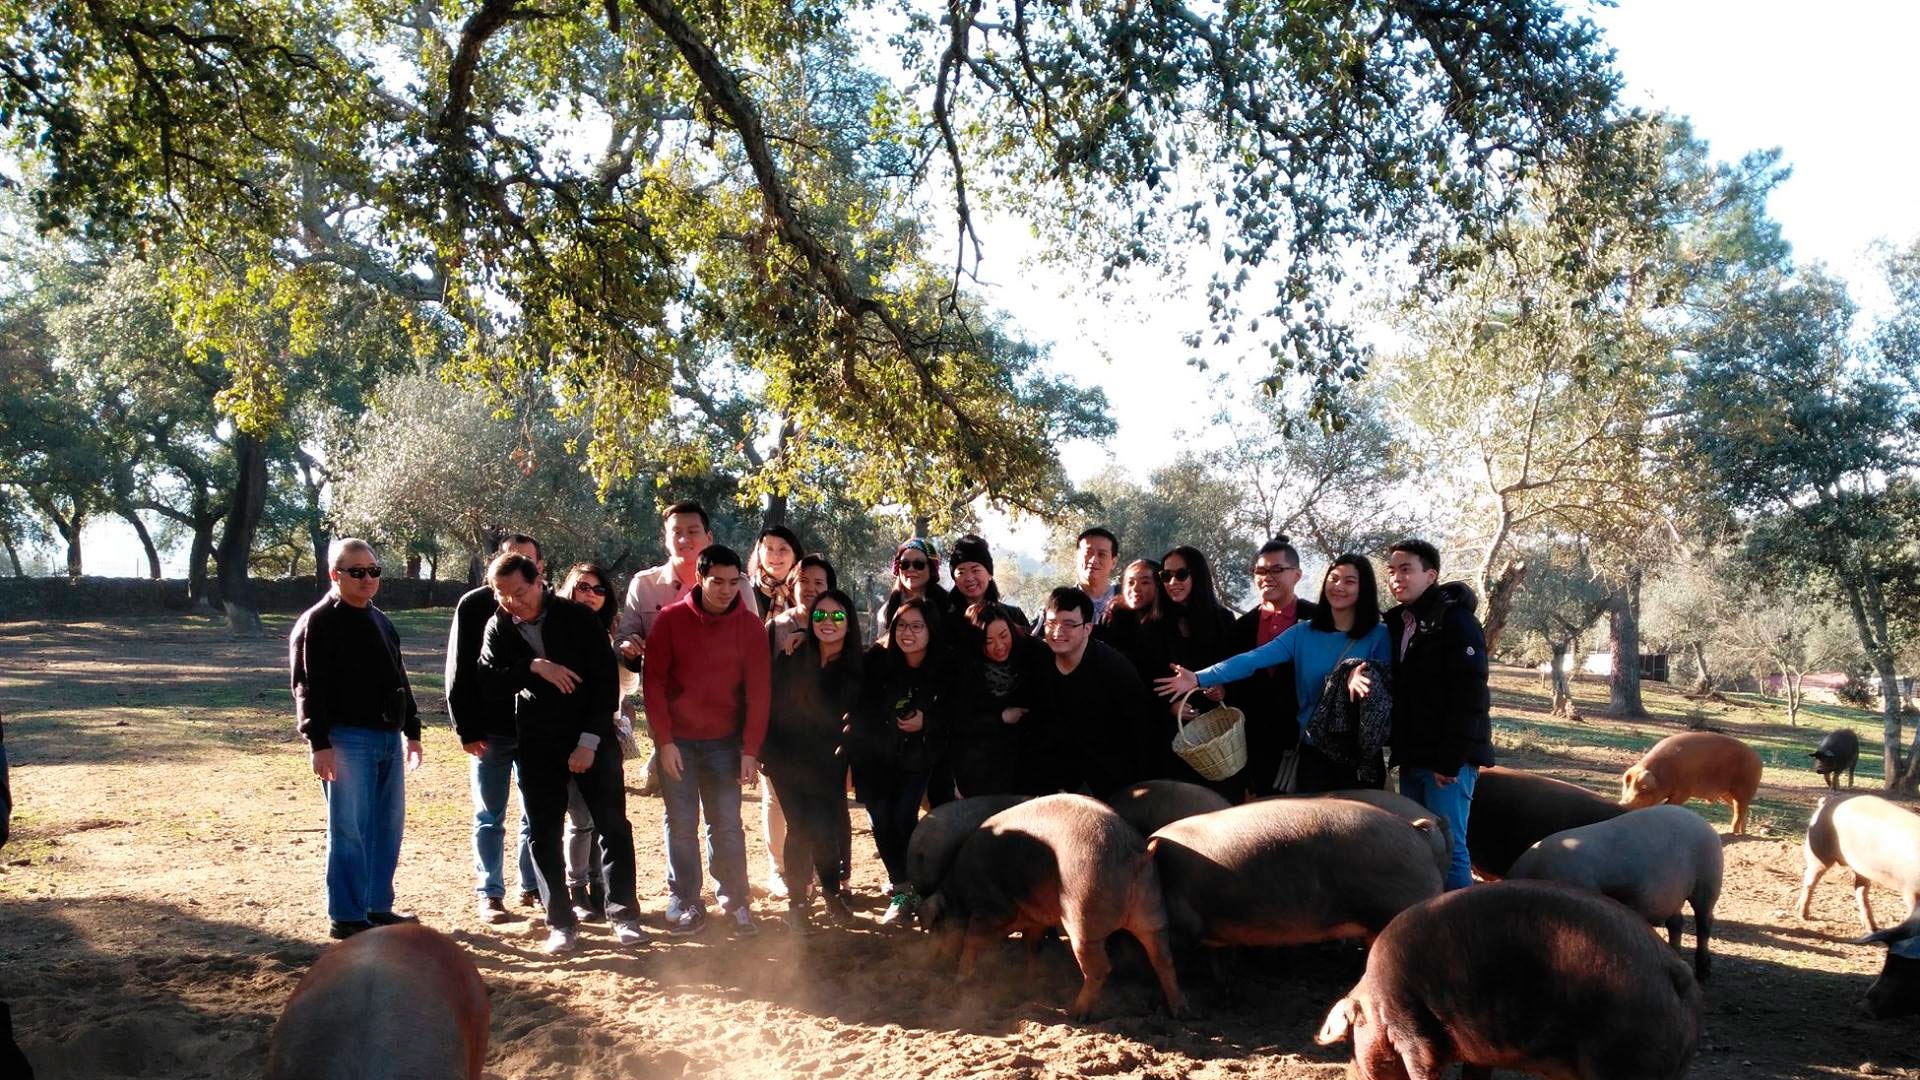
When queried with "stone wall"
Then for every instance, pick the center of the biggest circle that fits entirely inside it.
(99, 597)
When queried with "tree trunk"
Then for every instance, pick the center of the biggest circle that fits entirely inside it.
(146, 542)
(776, 511)
(1562, 686)
(70, 532)
(1702, 682)
(236, 542)
(1790, 682)
(1623, 646)
(199, 554)
(920, 527)
(1870, 622)
(12, 555)
(1500, 591)
(413, 564)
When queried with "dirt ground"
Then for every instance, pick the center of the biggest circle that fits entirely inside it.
(162, 896)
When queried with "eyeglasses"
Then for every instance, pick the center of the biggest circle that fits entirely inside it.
(826, 616)
(1062, 626)
(597, 590)
(358, 572)
(1176, 574)
(1272, 571)
(913, 564)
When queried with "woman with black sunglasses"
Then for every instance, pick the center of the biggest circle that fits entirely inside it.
(1188, 627)
(916, 576)
(588, 585)
(814, 687)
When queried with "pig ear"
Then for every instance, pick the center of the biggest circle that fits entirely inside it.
(1340, 1021)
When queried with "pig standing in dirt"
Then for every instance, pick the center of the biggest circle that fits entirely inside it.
(1292, 871)
(391, 1002)
(1156, 803)
(938, 836)
(1838, 753)
(1896, 990)
(1878, 841)
(1514, 810)
(1651, 860)
(1440, 836)
(1059, 860)
(1695, 765)
(1533, 976)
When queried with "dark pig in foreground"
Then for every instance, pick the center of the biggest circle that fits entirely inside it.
(1694, 765)
(1896, 990)
(1838, 753)
(1514, 810)
(389, 1003)
(1292, 871)
(937, 838)
(1533, 976)
(1651, 860)
(1440, 836)
(1151, 805)
(1059, 860)
(1878, 841)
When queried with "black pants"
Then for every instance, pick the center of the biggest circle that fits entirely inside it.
(543, 789)
(1318, 773)
(892, 797)
(814, 795)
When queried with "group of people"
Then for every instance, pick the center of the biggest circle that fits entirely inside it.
(739, 667)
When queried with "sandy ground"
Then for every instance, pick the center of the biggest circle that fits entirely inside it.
(163, 896)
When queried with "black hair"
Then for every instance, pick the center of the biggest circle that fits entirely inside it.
(853, 618)
(781, 532)
(927, 611)
(1203, 607)
(1366, 606)
(1428, 555)
(608, 609)
(716, 555)
(511, 562)
(1100, 531)
(688, 506)
(1071, 598)
(1279, 545)
(815, 559)
(988, 614)
(507, 542)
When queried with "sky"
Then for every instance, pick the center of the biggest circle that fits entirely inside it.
(1833, 85)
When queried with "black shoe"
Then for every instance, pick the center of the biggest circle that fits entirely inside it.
(391, 918)
(578, 900)
(341, 931)
(597, 901)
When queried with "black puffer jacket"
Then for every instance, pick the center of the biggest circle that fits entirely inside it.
(1440, 682)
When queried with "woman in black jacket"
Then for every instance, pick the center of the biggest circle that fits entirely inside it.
(814, 689)
(1188, 625)
(992, 743)
(899, 734)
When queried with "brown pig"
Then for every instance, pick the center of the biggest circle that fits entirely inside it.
(1514, 810)
(1059, 860)
(1651, 860)
(1292, 871)
(938, 836)
(1870, 836)
(1440, 836)
(1150, 805)
(1694, 765)
(1534, 976)
(388, 1003)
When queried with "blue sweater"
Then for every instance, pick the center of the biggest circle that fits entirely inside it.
(1315, 653)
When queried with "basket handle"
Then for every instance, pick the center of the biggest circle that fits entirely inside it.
(1180, 707)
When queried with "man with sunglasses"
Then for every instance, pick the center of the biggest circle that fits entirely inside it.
(352, 703)
(1267, 697)
(483, 720)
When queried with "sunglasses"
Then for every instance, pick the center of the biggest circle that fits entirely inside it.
(1178, 574)
(358, 572)
(830, 616)
(597, 590)
(913, 564)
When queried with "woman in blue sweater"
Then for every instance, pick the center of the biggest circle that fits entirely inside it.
(1346, 627)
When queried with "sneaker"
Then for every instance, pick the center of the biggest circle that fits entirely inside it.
(899, 910)
(560, 941)
(582, 904)
(341, 931)
(797, 921)
(690, 922)
(391, 918)
(741, 922)
(491, 910)
(837, 909)
(530, 898)
(777, 887)
(628, 932)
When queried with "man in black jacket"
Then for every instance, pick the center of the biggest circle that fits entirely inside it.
(484, 722)
(1441, 734)
(1089, 706)
(352, 701)
(553, 658)
(1268, 698)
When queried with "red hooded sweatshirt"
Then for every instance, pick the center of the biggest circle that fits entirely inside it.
(707, 676)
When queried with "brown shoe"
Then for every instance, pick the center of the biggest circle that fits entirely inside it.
(492, 911)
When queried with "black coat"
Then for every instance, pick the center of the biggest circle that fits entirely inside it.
(1092, 724)
(346, 671)
(991, 756)
(476, 713)
(1440, 699)
(888, 688)
(545, 719)
(810, 709)
(1268, 699)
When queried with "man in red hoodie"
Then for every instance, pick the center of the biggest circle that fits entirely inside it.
(706, 679)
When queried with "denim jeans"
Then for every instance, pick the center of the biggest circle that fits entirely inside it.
(1454, 803)
(710, 782)
(489, 777)
(366, 811)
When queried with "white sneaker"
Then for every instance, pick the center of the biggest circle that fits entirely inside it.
(742, 923)
(560, 941)
(629, 933)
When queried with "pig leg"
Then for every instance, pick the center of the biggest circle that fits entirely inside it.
(1815, 871)
(1090, 951)
(1160, 955)
(1860, 897)
(1674, 926)
(1702, 932)
(1739, 814)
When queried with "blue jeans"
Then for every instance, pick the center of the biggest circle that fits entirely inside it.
(1453, 803)
(709, 781)
(366, 811)
(488, 778)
